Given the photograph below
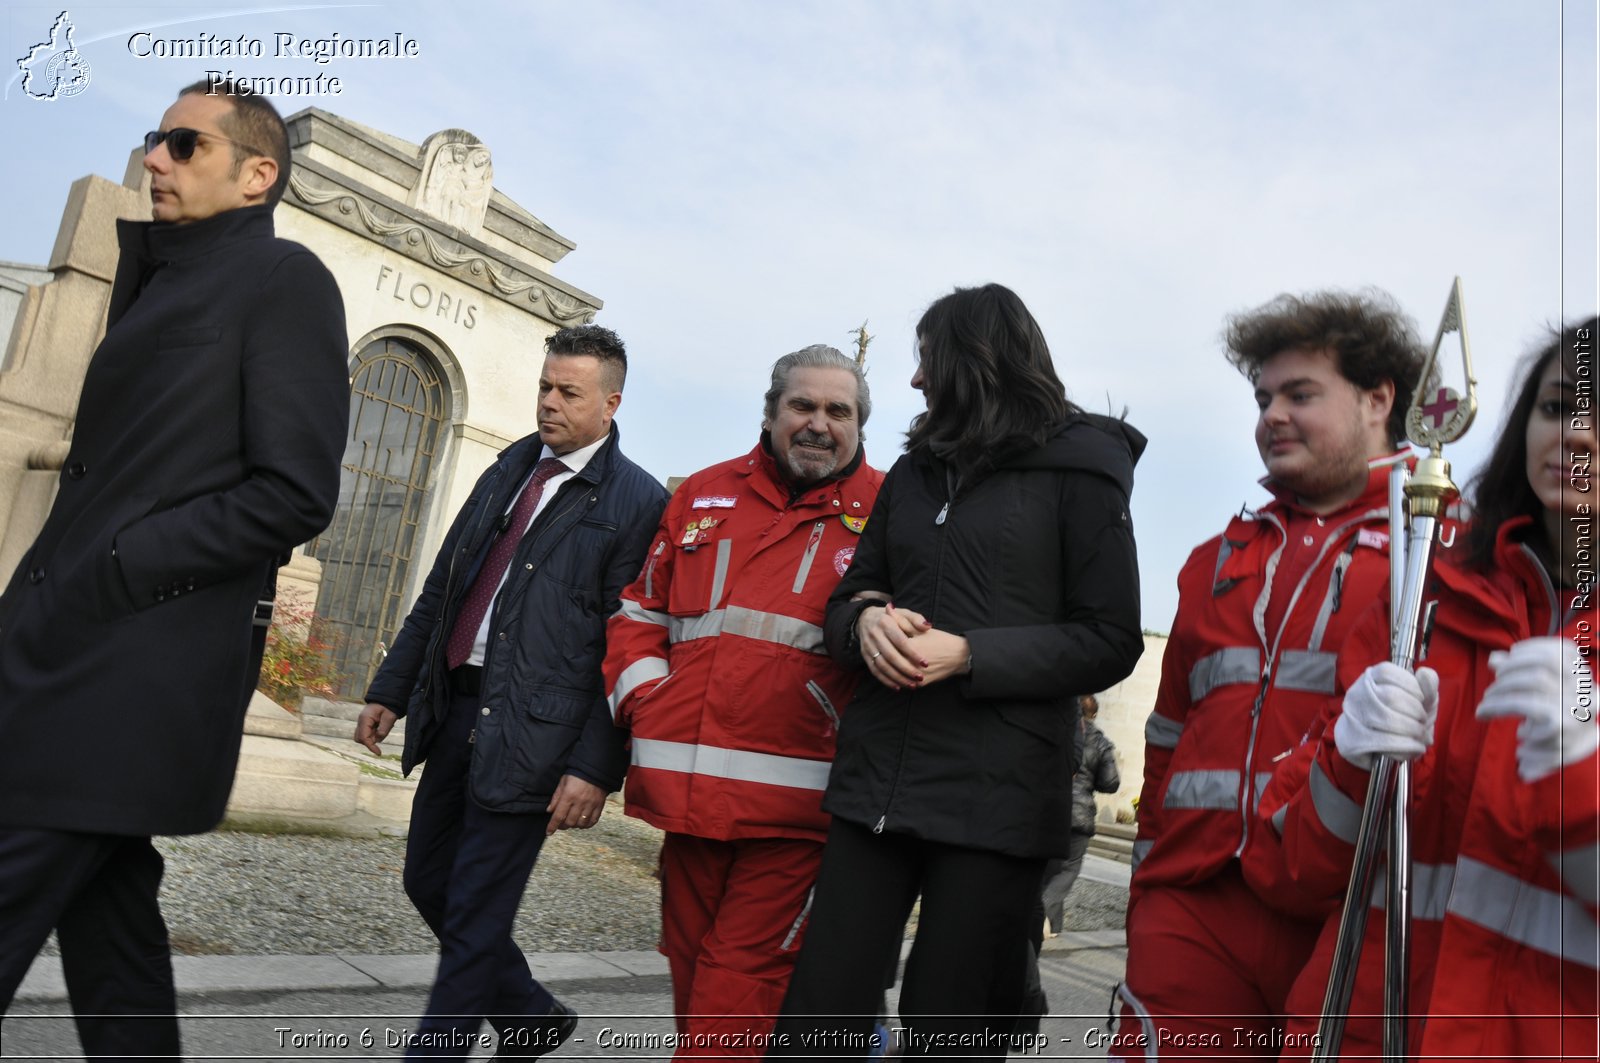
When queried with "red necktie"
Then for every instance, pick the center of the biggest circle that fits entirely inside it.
(481, 594)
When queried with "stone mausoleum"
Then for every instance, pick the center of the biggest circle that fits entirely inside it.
(449, 295)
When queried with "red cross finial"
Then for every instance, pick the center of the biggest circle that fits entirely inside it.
(1442, 406)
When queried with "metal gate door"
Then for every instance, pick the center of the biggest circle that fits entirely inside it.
(396, 413)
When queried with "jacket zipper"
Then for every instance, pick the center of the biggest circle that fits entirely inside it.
(494, 609)
(809, 556)
(1247, 783)
(821, 696)
(650, 569)
(938, 572)
(484, 509)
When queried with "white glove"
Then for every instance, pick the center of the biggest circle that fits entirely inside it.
(1547, 682)
(1388, 712)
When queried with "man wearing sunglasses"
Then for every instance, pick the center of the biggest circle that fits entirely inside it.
(207, 445)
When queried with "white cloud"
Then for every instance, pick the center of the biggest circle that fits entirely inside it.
(742, 179)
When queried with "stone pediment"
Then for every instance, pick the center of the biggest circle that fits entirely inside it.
(342, 200)
(449, 177)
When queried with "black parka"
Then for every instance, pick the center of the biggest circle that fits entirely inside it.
(1034, 564)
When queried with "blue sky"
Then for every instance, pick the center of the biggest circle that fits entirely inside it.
(745, 178)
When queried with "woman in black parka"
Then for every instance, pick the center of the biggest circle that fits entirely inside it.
(995, 581)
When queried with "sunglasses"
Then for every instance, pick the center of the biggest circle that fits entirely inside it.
(181, 142)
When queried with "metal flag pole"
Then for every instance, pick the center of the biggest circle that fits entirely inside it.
(1431, 422)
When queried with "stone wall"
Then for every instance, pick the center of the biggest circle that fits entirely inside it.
(1123, 712)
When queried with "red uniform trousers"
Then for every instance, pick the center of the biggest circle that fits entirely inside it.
(1209, 948)
(733, 915)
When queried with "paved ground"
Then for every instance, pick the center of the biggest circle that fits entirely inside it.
(349, 1005)
(339, 1007)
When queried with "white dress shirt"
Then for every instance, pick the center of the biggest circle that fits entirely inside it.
(574, 461)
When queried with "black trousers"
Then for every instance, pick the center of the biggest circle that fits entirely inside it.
(964, 978)
(466, 870)
(98, 893)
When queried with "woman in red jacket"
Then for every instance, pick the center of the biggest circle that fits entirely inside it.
(1500, 721)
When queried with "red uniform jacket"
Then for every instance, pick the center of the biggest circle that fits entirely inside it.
(1505, 948)
(1235, 698)
(716, 660)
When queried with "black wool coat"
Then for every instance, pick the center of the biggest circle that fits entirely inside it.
(544, 712)
(209, 434)
(1034, 564)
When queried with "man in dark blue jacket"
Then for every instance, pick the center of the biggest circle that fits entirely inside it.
(497, 671)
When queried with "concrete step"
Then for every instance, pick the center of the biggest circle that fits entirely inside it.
(1114, 841)
(328, 727)
(333, 710)
(288, 778)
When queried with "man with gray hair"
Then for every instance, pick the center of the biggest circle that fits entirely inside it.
(716, 663)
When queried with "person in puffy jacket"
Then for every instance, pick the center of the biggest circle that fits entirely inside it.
(1499, 719)
(995, 580)
(1097, 773)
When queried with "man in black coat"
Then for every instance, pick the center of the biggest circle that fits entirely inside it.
(497, 672)
(207, 445)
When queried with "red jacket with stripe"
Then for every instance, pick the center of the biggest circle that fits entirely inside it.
(1505, 958)
(1235, 698)
(716, 663)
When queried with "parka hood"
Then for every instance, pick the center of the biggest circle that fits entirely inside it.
(1088, 442)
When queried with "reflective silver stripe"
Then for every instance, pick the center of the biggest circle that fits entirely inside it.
(1307, 670)
(809, 556)
(737, 764)
(1279, 818)
(1236, 664)
(799, 921)
(751, 624)
(641, 671)
(632, 610)
(650, 570)
(824, 701)
(720, 576)
(1258, 786)
(1538, 918)
(1335, 583)
(1258, 612)
(1141, 849)
(1294, 599)
(1224, 552)
(773, 627)
(1149, 1040)
(1335, 809)
(688, 628)
(1431, 886)
(1579, 868)
(1162, 732)
(1202, 789)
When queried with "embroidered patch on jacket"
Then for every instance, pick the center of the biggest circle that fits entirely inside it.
(1376, 538)
(842, 559)
(715, 502)
(855, 524)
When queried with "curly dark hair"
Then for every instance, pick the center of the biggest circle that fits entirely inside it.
(1371, 337)
(596, 341)
(992, 389)
(1500, 490)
